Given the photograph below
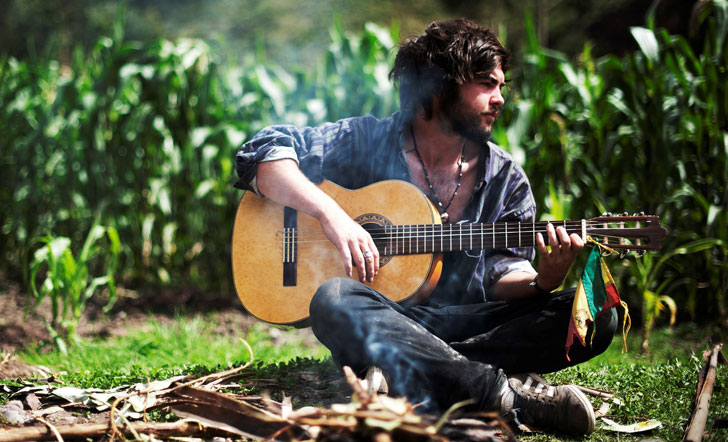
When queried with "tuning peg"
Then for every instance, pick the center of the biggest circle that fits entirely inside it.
(625, 213)
(639, 253)
(623, 253)
(607, 214)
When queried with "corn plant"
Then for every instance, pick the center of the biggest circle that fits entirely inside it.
(654, 284)
(67, 280)
(146, 132)
(644, 132)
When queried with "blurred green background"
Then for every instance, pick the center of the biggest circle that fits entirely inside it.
(128, 114)
(298, 32)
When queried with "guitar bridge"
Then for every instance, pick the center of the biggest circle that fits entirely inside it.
(290, 249)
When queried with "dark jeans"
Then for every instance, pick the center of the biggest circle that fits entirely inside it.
(444, 355)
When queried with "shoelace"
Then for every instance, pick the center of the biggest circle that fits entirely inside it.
(539, 388)
(540, 394)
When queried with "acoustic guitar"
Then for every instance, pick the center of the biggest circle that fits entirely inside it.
(280, 257)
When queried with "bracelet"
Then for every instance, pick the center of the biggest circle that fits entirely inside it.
(535, 285)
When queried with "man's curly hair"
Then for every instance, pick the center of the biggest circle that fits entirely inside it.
(449, 53)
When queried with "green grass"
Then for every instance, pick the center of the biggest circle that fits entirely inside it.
(187, 344)
(660, 386)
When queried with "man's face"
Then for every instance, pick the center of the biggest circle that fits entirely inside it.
(475, 109)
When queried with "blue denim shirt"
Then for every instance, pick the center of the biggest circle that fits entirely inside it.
(359, 151)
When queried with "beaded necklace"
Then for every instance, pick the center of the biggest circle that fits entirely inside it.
(442, 209)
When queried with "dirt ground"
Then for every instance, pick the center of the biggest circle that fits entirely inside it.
(130, 311)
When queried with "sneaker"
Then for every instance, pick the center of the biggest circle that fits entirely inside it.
(375, 381)
(562, 408)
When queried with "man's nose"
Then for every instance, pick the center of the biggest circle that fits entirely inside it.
(497, 98)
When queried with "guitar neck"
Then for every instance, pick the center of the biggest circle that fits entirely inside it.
(437, 238)
(621, 232)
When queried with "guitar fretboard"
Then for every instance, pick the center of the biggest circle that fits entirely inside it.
(436, 238)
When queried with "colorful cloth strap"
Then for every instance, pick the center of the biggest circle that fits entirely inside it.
(596, 294)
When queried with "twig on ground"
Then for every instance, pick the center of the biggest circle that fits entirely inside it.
(80, 431)
(694, 431)
(223, 374)
(6, 356)
(358, 390)
(215, 376)
(51, 427)
(440, 422)
(596, 393)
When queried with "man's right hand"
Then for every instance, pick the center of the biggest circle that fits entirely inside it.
(283, 182)
(355, 244)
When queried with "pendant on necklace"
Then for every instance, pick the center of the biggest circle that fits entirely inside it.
(444, 217)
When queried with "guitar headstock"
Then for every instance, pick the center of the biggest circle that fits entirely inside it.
(626, 233)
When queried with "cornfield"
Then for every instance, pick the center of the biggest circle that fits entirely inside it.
(142, 137)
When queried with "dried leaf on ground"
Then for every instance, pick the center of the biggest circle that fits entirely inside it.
(369, 415)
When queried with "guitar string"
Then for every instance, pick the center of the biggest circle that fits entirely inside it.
(524, 229)
(419, 230)
(442, 246)
(323, 238)
(312, 238)
(484, 229)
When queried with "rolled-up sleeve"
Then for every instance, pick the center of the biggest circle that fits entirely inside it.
(307, 146)
(270, 144)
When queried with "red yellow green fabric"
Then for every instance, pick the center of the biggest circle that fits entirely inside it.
(596, 294)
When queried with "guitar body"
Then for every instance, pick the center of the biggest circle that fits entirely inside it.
(279, 292)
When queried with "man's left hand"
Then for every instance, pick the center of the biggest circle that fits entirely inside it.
(556, 262)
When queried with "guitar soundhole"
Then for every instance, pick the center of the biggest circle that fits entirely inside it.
(374, 224)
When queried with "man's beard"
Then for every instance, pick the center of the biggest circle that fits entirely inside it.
(465, 121)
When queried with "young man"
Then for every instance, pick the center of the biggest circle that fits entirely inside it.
(492, 317)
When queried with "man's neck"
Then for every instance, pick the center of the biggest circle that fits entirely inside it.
(437, 143)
